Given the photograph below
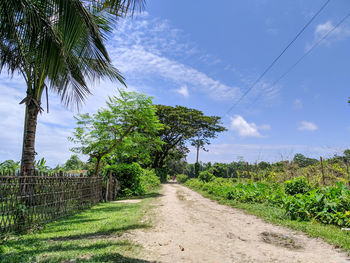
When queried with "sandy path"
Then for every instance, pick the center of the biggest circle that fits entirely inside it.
(191, 228)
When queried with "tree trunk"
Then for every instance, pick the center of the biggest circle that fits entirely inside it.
(97, 167)
(197, 153)
(28, 150)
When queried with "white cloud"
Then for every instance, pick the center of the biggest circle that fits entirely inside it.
(337, 34)
(245, 129)
(183, 90)
(307, 126)
(145, 50)
(297, 104)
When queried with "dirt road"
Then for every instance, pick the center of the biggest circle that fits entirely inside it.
(191, 228)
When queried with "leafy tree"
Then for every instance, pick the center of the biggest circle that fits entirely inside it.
(56, 45)
(182, 125)
(130, 115)
(9, 166)
(40, 166)
(207, 128)
(303, 161)
(73, 163)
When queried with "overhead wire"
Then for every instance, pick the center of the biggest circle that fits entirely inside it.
(305, 54)
(277, 58)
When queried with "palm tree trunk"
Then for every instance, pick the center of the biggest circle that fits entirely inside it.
(28, 150)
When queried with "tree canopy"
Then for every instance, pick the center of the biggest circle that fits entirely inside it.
(181, 126)
(127, 117)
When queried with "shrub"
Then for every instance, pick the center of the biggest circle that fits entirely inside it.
(298, 185)
(162, 173)
(206, 176)
(149, 180)
(129, 177)
(328, 205)
(181, 178)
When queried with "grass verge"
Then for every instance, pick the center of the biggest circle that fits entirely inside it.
(329, 233)
(94, 235)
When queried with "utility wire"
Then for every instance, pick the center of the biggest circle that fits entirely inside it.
(278, 57)
(306, 53)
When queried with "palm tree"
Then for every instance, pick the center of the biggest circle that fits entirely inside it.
(57, 45)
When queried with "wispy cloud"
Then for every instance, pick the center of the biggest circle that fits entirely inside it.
(183, 90)
(149, 48)
(245, 129)
(298, 104)
(147, 51)
(307, 126)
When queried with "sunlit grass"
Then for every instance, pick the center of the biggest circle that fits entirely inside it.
(94, 235)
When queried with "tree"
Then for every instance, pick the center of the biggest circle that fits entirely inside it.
(131, 114)
(207, 128)
(303, 161)
(73, 163)
(58, 45)
(182, 125)
(9, 166)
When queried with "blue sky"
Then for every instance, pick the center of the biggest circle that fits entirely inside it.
(205, 57)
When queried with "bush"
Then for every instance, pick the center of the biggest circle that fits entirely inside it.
(181, 178)
(298, 185)
(149, 180)
(328, 205)
(162, 173)
(129, 177)
(206, 176)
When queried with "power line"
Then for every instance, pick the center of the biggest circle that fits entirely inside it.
(278, 57)
(306, 53)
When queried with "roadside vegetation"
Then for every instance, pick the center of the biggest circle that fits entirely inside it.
(299, 202)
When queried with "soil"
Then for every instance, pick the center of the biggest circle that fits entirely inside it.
(191, 228)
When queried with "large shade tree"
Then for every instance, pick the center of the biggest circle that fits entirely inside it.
(56, 45)
(182, 126)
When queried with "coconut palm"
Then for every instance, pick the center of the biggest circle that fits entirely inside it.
(56, 45)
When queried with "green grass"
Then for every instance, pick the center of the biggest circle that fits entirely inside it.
(329, 233)
(93, 235)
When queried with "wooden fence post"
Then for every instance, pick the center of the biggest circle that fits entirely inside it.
(322, 170)
(248, 172)
(107, 188)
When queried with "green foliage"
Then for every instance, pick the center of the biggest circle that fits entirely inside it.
(40, 166)
(73, 163)
(149, 180)
(206, 176)
(181, 178)
(129, 177)
(196, 169)
(128, 120)
(9, 166)
(303, 161)
(163, 174)
(298, 185)
(182, 125)
(327, 205)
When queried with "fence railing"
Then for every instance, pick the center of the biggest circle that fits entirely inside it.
(29, 200)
